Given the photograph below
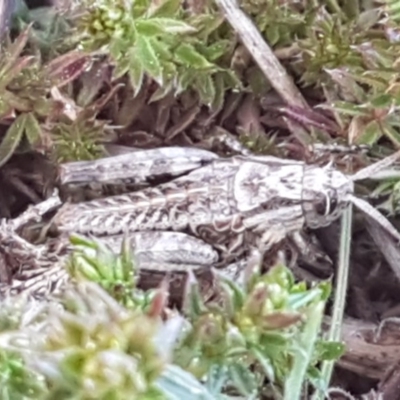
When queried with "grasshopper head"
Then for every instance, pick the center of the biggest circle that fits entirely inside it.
(326, 194)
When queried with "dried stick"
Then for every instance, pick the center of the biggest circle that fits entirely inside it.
(262, 53)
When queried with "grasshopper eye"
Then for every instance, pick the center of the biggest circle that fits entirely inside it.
(333, 205)
(321, 205)
(326, 204)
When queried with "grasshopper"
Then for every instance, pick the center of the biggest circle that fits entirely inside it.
(207, 210)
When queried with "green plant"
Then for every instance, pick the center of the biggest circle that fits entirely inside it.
(266, 331)
(40, 114)
(145, 38)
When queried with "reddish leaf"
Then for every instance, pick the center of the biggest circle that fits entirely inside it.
(310, 118)
(67, 67)
(160, 300)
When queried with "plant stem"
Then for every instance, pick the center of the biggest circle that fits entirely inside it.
(335, 330)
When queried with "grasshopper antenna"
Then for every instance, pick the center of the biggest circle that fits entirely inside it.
(367, 172)
(364, 206)
(376, 216)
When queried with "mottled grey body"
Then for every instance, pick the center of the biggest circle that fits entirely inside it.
(222, 203)
(211, 212)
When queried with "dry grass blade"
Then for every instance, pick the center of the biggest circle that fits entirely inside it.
(371, 350)
(376, 217)
(386, 243)
(262, 53)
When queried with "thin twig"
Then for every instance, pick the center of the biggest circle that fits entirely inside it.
(262, 53)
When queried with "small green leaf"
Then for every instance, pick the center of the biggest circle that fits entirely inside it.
(273, 343)
(83, 241)
(15, 51)
(78, 267)
(281, 275)
(136, 74)
(257, 82)
(148, 58)
(330, 350)
(189, 56)
(127, 256)
(138, 8)
(391, 134)
(12, 139)
(233, 293)
(367, 19)
(382, 101)
(174, 26)
(216, 50)
(32, 129)
(178, 384)
(231, 80)
(326, 288)
(299, 300)
(206, 24)
(193, 303)
(273, 35)
(371, 134)
(315, 378)
(243, 379)
(265, 362)
(185, 78)
(148, 27)
(161, 92)
(347, 108)
(220, 90)
(163, 8)
(160, 26)
(216, 378)
(205, 86)
(98, 258)
(118, 47)
(303, 351)
(12, 73)
(377, 81)
(121, 68)
(162, 50)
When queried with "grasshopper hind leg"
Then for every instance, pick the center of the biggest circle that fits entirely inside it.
(302, 253)
(311, 258)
